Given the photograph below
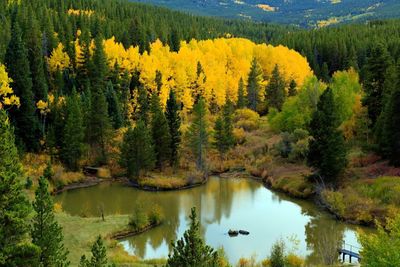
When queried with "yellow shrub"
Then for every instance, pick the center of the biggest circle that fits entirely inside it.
(239, 135)
(103, 173)
(246, 119)
(335, 201)
(58, 207)
(294, 260)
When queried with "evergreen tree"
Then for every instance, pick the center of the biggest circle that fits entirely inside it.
(191, 250)
(327, 151)
(174, 125)
(99, 255)
(325, 73)
(114, 108)
(143, 102)
(160, 132)
(292, 88)
(242, 101)
(254, 85)
(46, 233)
(198, 135)
(275, 91)
(14, 206)
(24, 117)
(99, 122)
(72, 148)
(137, 152)
(374, 79)
(224, 139)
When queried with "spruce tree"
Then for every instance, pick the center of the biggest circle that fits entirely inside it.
(327, 151)
(198, 135)
(224, 139)
(191, 250)
(254, 85)
(374, 78)
(292, 91)
(143, 102)
(99, 255)
(160, 132)
(324, 75)
(174, 125)
(46, 233)
(99, 122)
(114, 108)
(73, 135)
(24, 117)
(14, 205)
(242, 101)
(275, 91)
(137, 152)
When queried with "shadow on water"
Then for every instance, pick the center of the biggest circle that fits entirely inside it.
(222, 204)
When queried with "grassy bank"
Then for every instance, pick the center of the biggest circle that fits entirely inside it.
(80, 233)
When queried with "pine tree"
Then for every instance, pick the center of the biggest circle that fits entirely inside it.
(99, 122)
(15, 207)
(374, 79)
(254, 85)
(275, 91)
(198, 135)
(143, 102)
(137, 152)
(25, 119)
(292, 88)
(325, 73)
(327, 151)
(242, 101)
(174, 125)
(99, 255)
(191, 250)
(224, 139)
(46, 233)
(114, 108)
(159, 132)
(72, 148)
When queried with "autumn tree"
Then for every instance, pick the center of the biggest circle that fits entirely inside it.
(160, 132)
(191, 249)
(15, 207)
(198, 135)
(254, 85)
(24, 117)
(174, 125)
(275, 91)
(46, 233)
(327, 151)
(73, 135)
(137, 151)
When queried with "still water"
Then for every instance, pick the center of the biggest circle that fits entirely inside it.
(222, 204)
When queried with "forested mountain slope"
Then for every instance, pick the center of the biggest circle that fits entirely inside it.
(307, 13)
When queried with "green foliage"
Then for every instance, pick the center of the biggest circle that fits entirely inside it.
(174, 124)
(198, 135)
(48, 172)
(382, 248)
(137, 152)
(156, 215)
(72, 148)
(46, 233)
(99, 255)
(191, 250)
(14, 251)
(224, 139)
(242, 100)
(275, 91)
(144, 106)
(277, 257)
(160, 132)
(254, 85)
(114, 107)
(139, 219)
(24, 117)
(292, 91)
(327, 152)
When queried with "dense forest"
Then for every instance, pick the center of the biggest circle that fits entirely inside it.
(138, 89)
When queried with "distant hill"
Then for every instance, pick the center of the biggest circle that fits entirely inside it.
(306, 13)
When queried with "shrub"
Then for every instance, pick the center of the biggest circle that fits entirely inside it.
(335, 201)
(240, 136)
(246, 119)
(299, 150)
(28, 183)
(156, 215)
(139, 219)
(293, 260)
(277, 258)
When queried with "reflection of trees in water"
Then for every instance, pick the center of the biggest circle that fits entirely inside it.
(324, 237)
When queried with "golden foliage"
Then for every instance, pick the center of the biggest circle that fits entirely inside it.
(59, 60)
(77, 12)
(6, 92)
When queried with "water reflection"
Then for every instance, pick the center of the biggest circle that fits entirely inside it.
(222, 204)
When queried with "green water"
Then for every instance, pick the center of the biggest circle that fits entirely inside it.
(222, 204)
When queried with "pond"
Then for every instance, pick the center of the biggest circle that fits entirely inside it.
(222, 204)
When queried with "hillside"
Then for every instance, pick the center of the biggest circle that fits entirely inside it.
(306, 13)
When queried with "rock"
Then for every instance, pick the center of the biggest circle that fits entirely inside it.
(233, 232)
(243, 232)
